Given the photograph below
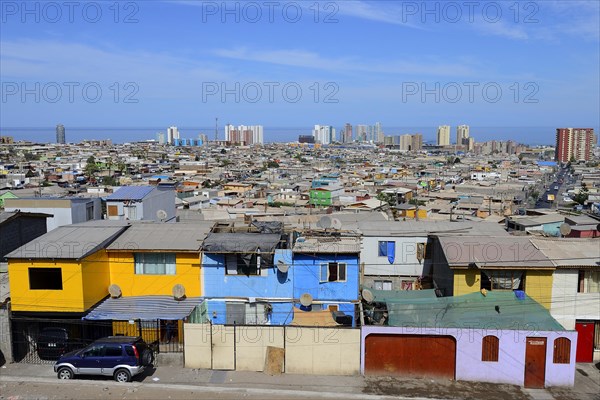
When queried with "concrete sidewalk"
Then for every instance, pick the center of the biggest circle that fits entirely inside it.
(178, 378)
(587, 384)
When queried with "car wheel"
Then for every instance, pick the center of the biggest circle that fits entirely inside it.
(147, 357)
(122, 375)
(65, 373)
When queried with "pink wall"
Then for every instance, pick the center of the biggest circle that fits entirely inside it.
(510, 367)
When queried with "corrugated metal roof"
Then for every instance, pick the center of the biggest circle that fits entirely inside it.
(328, 245)
(8, 215)
(130, 193)
(145, 308)
(570, 252)
(160, 236)
(424, 228)
(493, 252)
(534, 220)
(68, 242)
(473, 311)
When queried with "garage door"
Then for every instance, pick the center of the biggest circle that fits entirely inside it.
(411, 355)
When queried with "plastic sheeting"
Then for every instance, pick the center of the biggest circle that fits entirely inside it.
(246, 244)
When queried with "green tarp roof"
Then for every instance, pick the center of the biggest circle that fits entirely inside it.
(496, 310)
(383, 296)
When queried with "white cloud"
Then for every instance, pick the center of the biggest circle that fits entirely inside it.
(426, 66)
(54, 61)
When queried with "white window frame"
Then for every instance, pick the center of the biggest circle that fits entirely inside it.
(141, 264)
(326, 266)
(382, 284)
(591, 281)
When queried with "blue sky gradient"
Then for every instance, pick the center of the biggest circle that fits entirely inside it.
(354, 61)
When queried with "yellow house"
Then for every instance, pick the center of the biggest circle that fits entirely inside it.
(150, 259)
(155, 278)
(410, 211)
(237, 187)
(465, 265)
(64, 271)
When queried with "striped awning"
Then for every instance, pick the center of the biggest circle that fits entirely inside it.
(145, 308)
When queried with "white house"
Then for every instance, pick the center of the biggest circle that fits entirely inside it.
(576, 290)
(136, 203)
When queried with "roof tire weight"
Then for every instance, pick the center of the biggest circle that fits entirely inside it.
(122, 375)
(65, 373)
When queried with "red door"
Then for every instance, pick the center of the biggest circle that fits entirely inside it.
(585, 341)
(535, 363)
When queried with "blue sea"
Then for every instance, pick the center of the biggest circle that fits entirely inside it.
(526, 135)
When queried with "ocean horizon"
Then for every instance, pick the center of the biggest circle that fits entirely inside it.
(532, 136)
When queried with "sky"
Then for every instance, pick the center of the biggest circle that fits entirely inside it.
(300, 63)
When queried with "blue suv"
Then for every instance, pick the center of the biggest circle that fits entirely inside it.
(121, 357)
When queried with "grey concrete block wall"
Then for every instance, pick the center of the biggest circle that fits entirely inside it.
(5, 337)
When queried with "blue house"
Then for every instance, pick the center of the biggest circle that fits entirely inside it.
(247, 275)
(326, 271)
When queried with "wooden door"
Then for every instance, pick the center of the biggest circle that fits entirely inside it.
(535, 362)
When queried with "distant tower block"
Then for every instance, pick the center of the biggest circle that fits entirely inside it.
(216, 129)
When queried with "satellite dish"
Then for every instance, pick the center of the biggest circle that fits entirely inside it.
(336, 223)
(179, 292)
(565, 229)
(282, 266)
(324, 222)
(161, 215)
(114, 291)
(306, 300)
(368, 296)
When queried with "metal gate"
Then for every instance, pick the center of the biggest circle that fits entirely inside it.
(27, 332)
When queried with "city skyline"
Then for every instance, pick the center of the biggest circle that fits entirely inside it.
(274, 134)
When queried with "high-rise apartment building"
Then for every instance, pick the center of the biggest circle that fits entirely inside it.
(416, 142)
(245, 135)
(404, 142)
(443, 135)
(60, 134)
(462, 134)
(172, 134)
(347, 135)
(377, 132)
(470, 143)
(574, 144)
(324, 134)
(361, 133)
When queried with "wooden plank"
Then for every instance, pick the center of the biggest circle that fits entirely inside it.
(274, 360)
